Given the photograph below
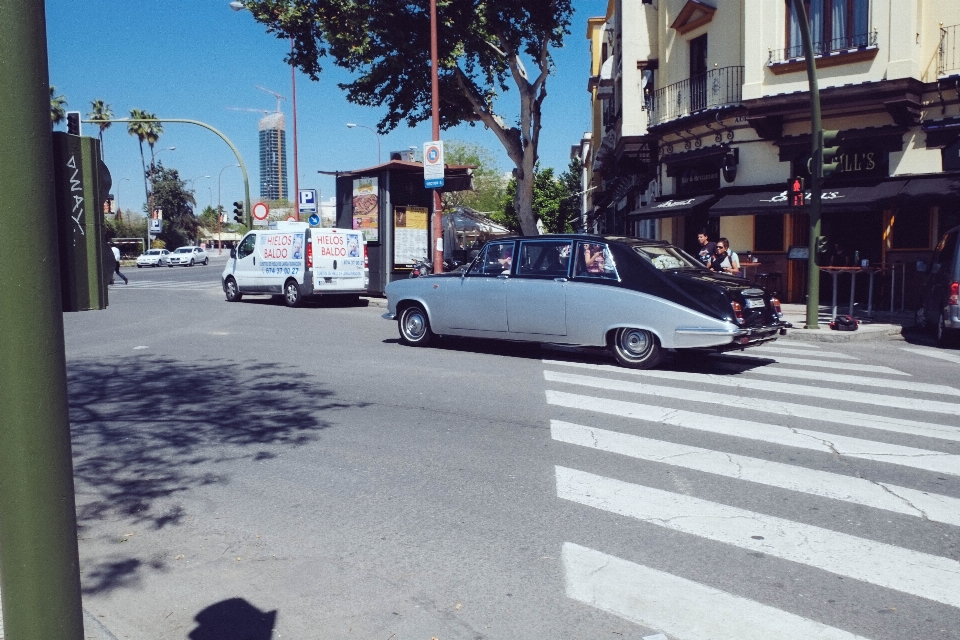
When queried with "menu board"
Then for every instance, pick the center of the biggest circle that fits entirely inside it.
(410, 240)
(366, 208)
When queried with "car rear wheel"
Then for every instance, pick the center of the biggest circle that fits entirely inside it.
(946, 338)
(291, 293)
(414, 326)
(921, 320)
(636, 348)
(206, 261)
(232, 291)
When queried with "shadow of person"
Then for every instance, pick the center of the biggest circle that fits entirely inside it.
(233, 619)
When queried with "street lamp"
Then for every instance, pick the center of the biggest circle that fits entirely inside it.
(220, 210)
(351, 125)
(239, 6)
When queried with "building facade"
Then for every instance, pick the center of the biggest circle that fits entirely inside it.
(273, 157)
(718, 94)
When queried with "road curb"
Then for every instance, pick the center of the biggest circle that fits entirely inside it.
(865, 333)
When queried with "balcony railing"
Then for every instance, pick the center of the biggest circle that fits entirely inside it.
(715, 88)
(845, 43)
(949, 60)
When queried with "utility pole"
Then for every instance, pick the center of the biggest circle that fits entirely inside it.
(437, 219)
(39, 563)
(816, 168)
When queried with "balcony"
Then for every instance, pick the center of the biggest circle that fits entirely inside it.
(828, 53)
(711, 90)
(948, 62)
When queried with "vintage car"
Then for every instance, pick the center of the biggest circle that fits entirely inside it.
(637, 297)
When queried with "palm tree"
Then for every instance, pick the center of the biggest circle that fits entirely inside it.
(58, 113)
(101, 114)
(139, 129)
(154, 131)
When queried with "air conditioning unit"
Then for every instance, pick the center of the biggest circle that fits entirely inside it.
(406, 155)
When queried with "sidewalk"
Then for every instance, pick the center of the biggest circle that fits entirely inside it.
(881, 325)
(93, 629)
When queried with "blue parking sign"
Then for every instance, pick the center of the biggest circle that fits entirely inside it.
(308, 201)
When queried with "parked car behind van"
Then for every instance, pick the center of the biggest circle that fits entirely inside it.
(939, 306)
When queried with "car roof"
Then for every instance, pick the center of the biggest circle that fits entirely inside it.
(586, 237)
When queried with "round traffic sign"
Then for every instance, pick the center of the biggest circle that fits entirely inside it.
(291, 218)
(314, 220)
(261, 211)
(433, 154)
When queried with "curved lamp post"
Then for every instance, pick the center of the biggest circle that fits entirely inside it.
(351, 125)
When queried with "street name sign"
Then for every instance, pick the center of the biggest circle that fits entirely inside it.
(433, 164)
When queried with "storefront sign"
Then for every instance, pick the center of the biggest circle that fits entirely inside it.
(696, 180)
(409, 236)
(853, 164)
(366, 208)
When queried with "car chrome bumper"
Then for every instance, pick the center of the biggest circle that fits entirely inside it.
(389, 316)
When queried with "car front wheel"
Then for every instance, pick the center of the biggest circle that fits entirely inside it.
(636, 348)
(206, 261)
(414, 326)
(232, 291)
(291, 294)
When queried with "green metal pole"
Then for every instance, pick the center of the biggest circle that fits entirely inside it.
(816, 168)
(39, 565)
(247, 213)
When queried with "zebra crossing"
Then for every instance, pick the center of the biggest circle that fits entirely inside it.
(794, 405)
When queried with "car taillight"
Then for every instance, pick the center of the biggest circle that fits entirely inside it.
(737, 312)
(954, 290)
(310, 255)
(366, 258)
(776, 306)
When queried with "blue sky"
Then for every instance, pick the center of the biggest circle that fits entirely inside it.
(181, 59)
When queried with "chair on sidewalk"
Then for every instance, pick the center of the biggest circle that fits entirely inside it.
(771, 281)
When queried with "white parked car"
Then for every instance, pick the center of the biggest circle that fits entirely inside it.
(153, 258)
(188, 256)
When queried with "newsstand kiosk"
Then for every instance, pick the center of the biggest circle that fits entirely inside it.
(390, 205)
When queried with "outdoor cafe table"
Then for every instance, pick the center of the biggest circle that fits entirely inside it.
(853, 271)
(747, 267)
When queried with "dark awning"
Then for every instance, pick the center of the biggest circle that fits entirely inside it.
(673, 206)
(837, 199)
(932, 188)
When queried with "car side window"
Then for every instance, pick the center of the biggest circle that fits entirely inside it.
(247, 246)
(594, 260)
(548, 258)
(946, 249)
(494, 259)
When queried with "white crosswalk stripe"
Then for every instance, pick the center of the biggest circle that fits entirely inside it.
(934, 353)
(921, 504)
(181, 286)
(839, 416)
(789, 351)
(686, 610)
(737, 382)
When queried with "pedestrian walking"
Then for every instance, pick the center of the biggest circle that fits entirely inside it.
(116, 263)
(725, 260)
(707, 248)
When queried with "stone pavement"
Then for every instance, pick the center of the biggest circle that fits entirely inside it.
(93, 629)
(880, 326)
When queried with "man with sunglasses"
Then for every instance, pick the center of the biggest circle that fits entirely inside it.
(724, 260)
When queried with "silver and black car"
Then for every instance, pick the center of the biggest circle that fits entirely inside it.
(939, 307)
(637, 297)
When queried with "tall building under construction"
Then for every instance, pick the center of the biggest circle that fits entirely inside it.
(273, 157)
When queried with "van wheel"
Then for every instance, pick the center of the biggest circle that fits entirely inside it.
(291, 293)
(232, 291)
(946, 338)
(636, 348)
(414, 326)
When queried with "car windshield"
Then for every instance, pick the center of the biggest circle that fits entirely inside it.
(184, 250)
(153, 252)
(666, 258)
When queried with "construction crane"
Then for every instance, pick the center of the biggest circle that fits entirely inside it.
(263, 111)
(274, 94)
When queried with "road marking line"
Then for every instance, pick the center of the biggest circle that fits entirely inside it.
(921, 574)
(912, 457)
(803, 362)
(774, 474)
(684, 609)
(838, 416)
(950, 357)
(796, 344)
(822, 376)
(737, 382)
(799, 352)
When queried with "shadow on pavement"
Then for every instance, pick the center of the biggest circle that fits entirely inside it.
(147, 429)
(233, 619)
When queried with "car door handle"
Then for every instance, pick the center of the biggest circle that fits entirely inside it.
(254, 259)
(559, 279)
(503, 276)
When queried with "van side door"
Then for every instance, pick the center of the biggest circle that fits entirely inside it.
(245, 271)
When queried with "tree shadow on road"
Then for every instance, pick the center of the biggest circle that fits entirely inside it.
(148, 429)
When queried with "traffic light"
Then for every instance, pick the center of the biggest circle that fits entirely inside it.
(821, 245)
(795, 192)
(73, 123)
(830, 149)
(238, 212)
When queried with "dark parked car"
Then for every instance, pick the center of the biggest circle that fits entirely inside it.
(938, 305)
(637, 297)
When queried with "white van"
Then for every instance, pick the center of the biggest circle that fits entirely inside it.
(293, 260)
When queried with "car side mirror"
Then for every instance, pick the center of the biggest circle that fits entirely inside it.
(233, 252)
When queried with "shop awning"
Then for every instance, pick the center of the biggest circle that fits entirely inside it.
(835, 199)
(674, 206)
(932, 188)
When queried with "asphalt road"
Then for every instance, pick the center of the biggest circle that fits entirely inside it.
(297, 471)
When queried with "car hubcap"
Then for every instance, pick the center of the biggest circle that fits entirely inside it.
(635, 342)
(291, 295)
(414, 326)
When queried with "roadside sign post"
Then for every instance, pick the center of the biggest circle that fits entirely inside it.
(260, 214)
(433, 179)
(307, 201)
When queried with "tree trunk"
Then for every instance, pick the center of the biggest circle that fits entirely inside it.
(523, 200)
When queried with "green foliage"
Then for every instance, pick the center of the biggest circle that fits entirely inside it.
(555, 202)
(209, 217)
(125, 227)
(180, 226)
(489, 184)
(58, 104)
(101, 114)
(485, 49)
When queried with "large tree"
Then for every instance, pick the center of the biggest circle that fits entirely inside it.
(555, 202)
(101, 113)
(170, 194)
(489, 183)
(485, 49)
(58, 104)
